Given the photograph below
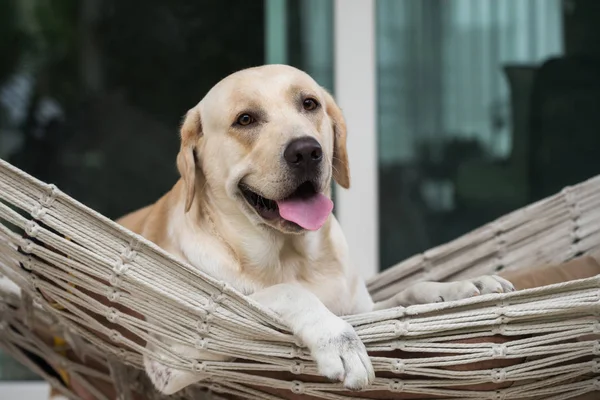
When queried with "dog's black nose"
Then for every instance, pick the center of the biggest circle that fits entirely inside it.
(303, 154)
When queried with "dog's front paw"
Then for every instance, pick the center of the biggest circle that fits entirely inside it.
(340, 355)
(492, 284)
(472, 287)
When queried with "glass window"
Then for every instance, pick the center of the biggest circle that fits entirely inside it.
(300, 33)
(314, 40)
(460, 88)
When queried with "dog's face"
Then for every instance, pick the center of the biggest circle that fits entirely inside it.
(268, 141)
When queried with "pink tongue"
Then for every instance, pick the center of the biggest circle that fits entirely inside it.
(310, 213)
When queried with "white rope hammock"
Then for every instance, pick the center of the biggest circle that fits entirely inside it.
(72, 254)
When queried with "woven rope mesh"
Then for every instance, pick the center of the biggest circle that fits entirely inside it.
(59, 258)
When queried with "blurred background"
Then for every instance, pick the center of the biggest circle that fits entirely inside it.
(480, 106)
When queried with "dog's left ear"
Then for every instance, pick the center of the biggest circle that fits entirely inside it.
(341, 168)
(191, 132)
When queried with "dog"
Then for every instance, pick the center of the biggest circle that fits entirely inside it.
(253, 209)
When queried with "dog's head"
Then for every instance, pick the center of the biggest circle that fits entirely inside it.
(267, 141)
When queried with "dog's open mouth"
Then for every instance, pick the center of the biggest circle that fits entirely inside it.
(266, 208)
(304, 207)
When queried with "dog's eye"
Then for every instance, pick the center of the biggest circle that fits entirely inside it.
(245, 120)
(310, 104)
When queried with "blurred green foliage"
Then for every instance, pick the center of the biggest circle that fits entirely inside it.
(12, 39)
(123, 73)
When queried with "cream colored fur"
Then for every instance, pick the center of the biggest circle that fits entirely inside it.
(304, 276)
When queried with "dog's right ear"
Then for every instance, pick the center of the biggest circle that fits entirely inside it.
(191, 132)
(341, 169)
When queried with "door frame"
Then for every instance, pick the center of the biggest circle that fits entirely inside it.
(355, 78)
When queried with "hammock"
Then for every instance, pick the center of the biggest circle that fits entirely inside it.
(50, 242)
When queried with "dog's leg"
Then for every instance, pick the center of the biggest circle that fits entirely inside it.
(435, 292)
(333, 343)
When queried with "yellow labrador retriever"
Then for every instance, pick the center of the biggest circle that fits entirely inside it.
(253, 208)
